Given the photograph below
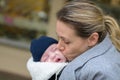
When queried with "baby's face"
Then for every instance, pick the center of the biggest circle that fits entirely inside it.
(52, 54)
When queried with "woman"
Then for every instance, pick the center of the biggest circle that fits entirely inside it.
(90, 40)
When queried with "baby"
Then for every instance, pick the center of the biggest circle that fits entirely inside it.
(52, 54)
(46, 59)
(44, 50)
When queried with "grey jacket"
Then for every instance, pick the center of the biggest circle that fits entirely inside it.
(101, 62)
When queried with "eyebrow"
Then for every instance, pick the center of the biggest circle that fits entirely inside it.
(64, 39)
(61, 37)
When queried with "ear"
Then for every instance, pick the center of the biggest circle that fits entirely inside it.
(93, 39)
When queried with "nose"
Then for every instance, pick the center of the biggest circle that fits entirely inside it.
(60, 46)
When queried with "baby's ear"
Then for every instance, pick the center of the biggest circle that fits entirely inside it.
(44, 57)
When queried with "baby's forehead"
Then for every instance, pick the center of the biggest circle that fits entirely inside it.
(51, 48)
(53, 45)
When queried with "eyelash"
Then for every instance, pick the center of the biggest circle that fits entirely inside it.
(67, 42)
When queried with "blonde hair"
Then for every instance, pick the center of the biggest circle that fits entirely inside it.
(113, 29)
(86, 18)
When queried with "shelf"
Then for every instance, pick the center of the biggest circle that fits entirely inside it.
(14, 43)
(23, 23)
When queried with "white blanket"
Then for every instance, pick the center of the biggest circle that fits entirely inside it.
(43, 70)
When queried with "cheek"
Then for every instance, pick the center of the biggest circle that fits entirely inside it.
(75, 50)
(70, 53)
(44, 57)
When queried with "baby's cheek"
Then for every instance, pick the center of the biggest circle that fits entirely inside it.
(44, 58)
(49, 60)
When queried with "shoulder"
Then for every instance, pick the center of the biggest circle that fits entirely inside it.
(100, 69)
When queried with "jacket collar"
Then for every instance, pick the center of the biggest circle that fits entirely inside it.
(98, 50)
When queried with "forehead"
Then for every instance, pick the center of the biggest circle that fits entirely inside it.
(64, 30)
(52, 46)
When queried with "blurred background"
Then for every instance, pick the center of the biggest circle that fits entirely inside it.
(23, 20)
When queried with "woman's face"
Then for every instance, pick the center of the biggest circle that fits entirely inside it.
(69, 43)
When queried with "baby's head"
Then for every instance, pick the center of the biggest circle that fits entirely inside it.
(52, 54)
(44, 49)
